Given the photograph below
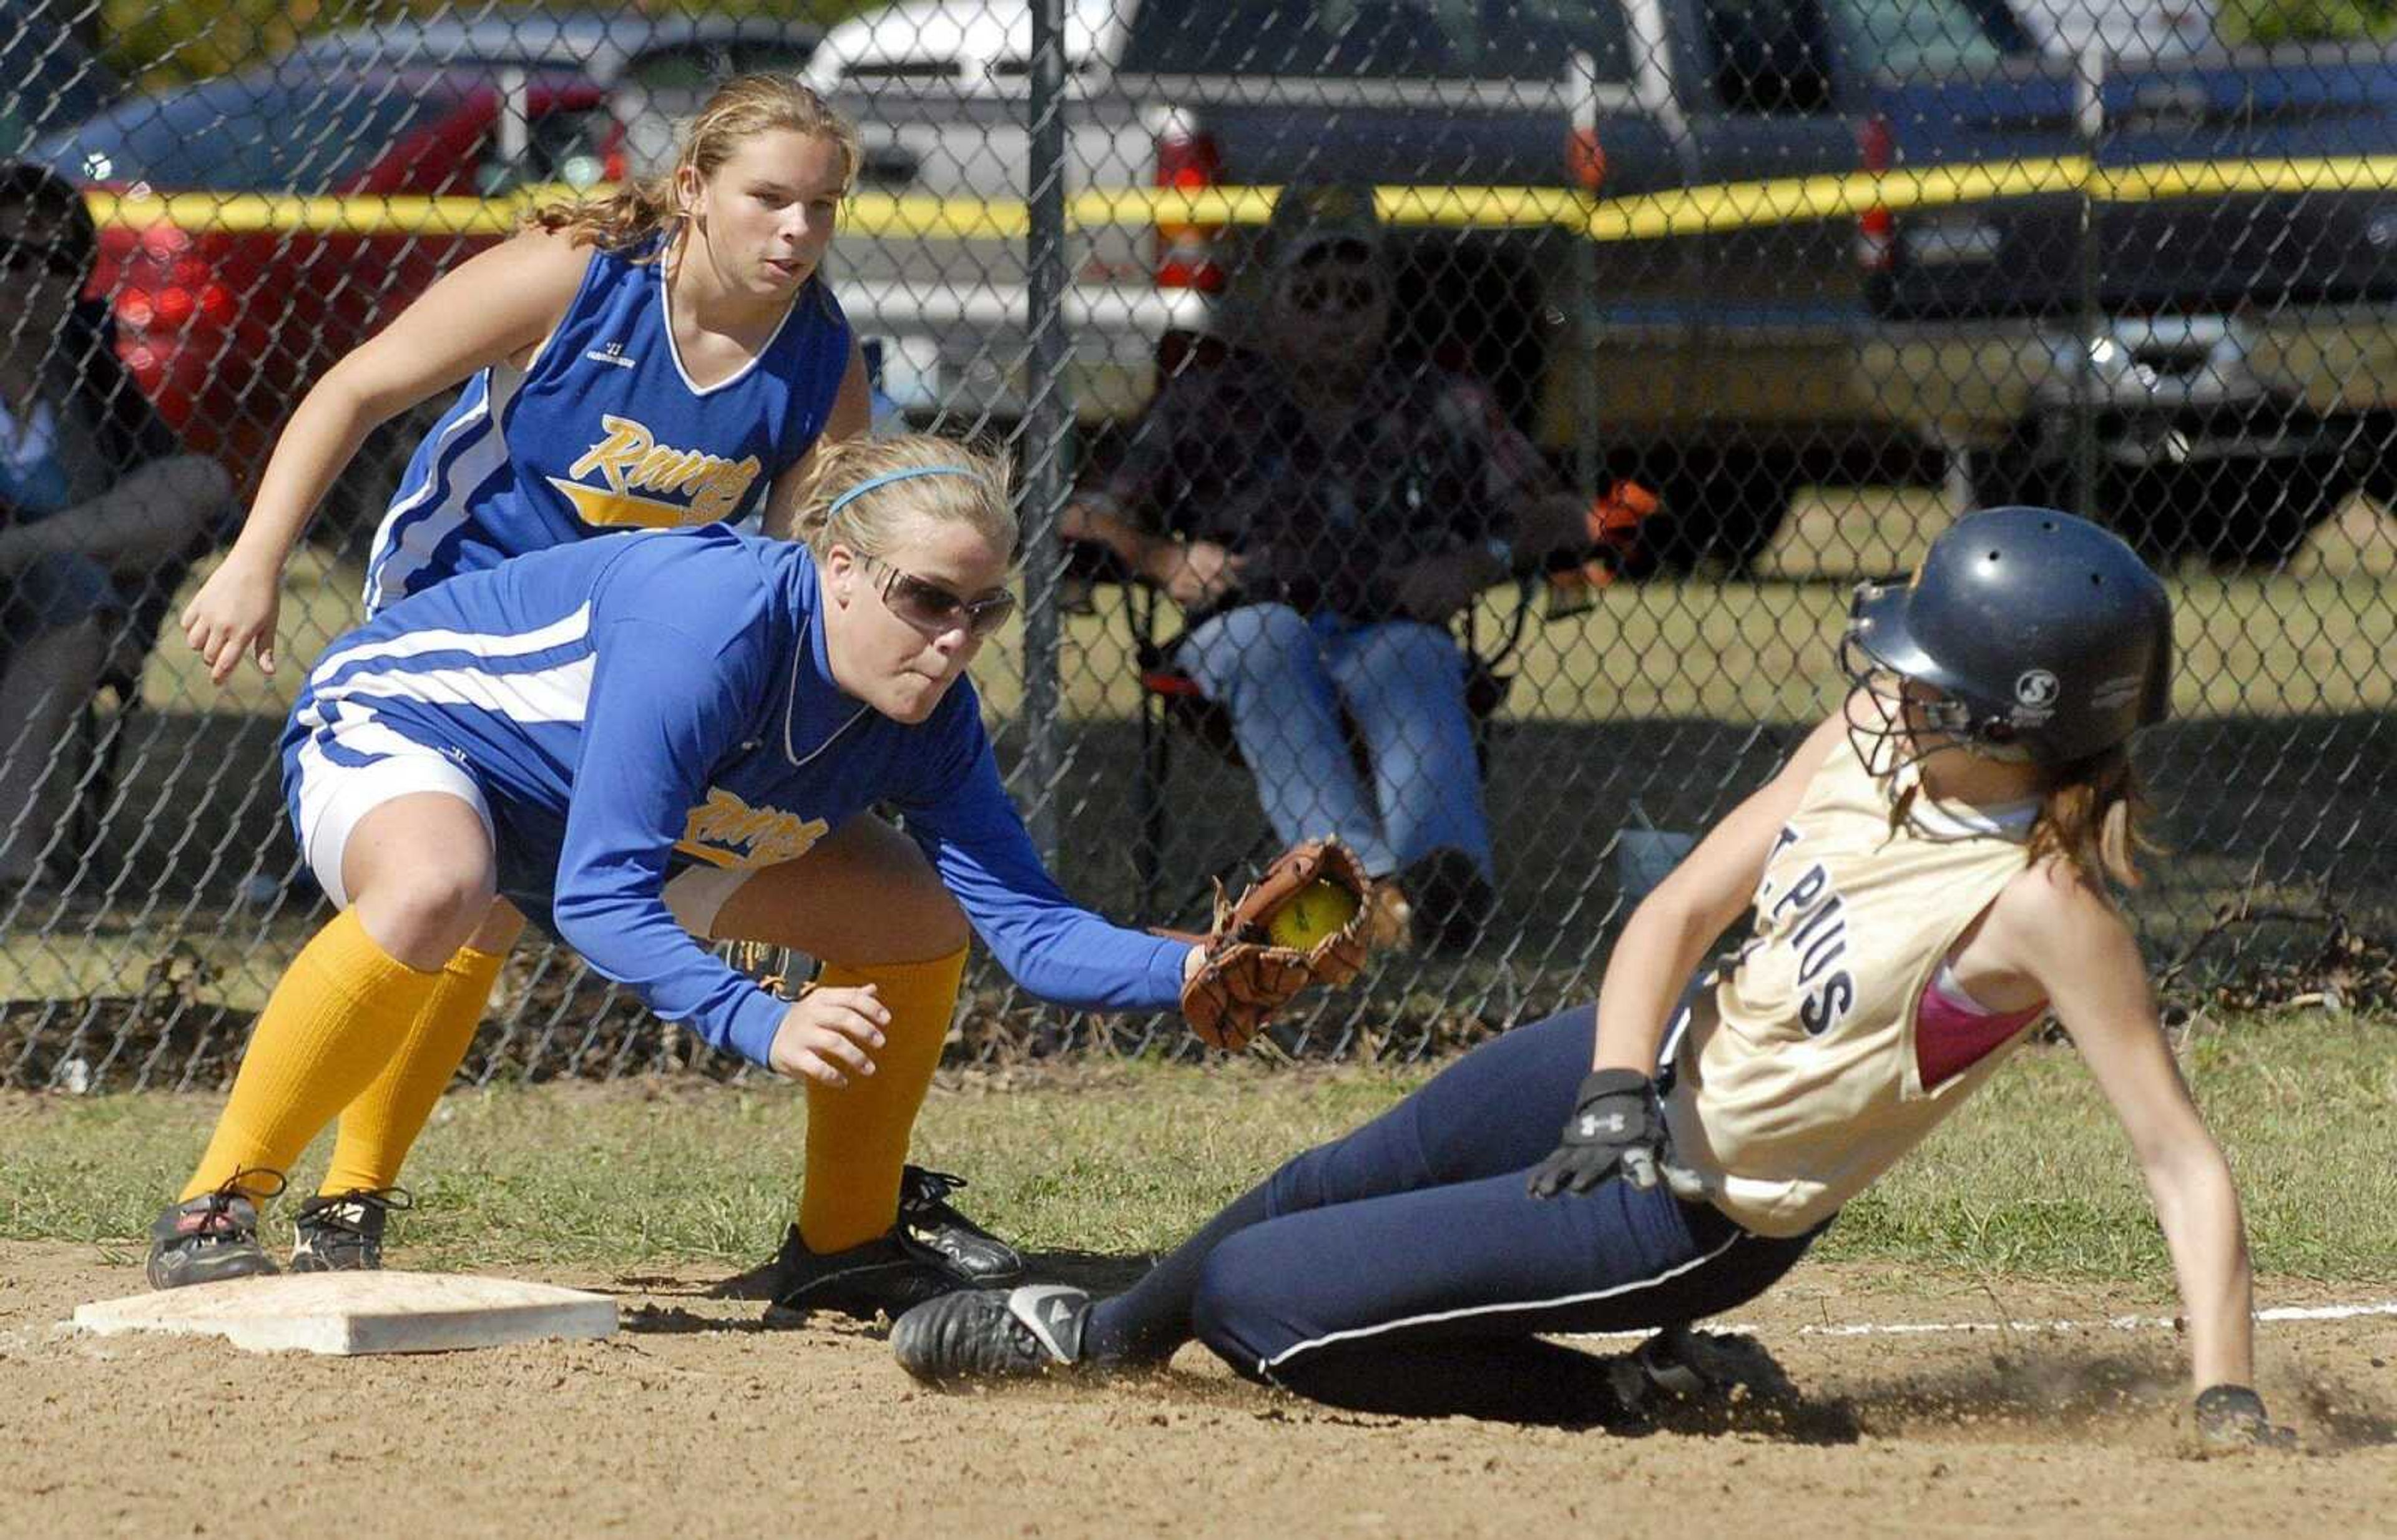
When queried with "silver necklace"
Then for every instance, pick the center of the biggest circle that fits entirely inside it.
(791, 710)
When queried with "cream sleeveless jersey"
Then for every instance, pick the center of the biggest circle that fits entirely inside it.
(1795, 1079)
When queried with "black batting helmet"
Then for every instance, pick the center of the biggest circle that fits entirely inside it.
(2047, 638)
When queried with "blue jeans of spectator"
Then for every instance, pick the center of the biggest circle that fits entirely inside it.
(1285, 677)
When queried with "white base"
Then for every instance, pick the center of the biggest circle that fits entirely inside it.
(352, 1313)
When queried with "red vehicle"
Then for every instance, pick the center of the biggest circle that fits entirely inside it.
(227, 320)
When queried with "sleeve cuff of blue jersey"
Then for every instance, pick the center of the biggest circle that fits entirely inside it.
(1165, 973)
(755, 1022)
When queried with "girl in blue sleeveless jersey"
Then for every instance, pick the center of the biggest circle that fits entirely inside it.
(619, 736)
(1928, 879)
(669, 357)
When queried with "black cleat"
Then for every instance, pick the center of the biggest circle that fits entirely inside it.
(1681, 1365)
(889, 1275)
(993, 1333)
(1448, 900)
(212, 1238)
(343, 1232)
(926, 1214)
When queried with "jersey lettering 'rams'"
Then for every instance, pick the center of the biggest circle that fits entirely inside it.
(725, 831)
(604, 431)
(646, 485)
(1797, 1079)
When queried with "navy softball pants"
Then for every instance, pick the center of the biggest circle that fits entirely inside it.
(1410, 1244)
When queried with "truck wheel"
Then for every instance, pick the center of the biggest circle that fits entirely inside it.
(2014, 476)
(1723, 508)
(2259, 513)
(2146, 509)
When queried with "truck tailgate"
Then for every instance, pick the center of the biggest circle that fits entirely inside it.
(1458, 144)
(2331, 240)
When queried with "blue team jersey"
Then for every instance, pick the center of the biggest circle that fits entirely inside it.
(605, 432)
(632, 706)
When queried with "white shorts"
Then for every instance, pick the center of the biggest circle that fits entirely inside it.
(334, 798)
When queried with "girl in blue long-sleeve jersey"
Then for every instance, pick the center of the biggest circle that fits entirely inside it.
(621, 737)
(670, 355)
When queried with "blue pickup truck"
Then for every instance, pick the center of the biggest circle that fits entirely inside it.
(2223, 358)
(2223, 369)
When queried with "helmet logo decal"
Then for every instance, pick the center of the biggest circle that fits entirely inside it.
(2036, 691)
(2036, 687)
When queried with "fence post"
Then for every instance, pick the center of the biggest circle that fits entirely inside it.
(2089, 131)
(1048, 424)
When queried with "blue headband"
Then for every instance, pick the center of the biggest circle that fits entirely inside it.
(887, 477)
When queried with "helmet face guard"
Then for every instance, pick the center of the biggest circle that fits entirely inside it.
(1897, 717)
(2026, 636)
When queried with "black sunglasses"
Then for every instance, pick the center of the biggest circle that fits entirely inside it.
(929, 607)
(1317, 291)
(21, 256)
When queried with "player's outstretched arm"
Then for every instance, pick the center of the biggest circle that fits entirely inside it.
(2058, 925)
(960, 814)
(492, 307)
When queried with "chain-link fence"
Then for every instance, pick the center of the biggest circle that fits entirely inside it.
(1500, 516)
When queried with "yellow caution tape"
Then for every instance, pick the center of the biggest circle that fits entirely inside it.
(2208, 178)
(1646, 216)
(250, 213)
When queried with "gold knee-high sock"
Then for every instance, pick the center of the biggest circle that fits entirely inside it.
(857, 1133)
(377, 1130)
(331, 1024)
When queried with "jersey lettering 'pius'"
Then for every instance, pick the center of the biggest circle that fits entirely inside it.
(1802, 1074)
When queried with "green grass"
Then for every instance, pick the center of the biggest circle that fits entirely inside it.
(1122, 1158)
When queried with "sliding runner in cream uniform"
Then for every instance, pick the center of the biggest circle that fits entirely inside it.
(1829, 1049)
(1928, 875)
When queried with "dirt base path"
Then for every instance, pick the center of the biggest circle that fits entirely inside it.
(699, 1421)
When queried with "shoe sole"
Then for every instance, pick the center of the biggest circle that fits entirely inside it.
(851, 1291)
(220, 1270)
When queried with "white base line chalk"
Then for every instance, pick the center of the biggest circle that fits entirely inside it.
(2112, 1324)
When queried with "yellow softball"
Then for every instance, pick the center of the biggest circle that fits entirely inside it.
(1313, 913)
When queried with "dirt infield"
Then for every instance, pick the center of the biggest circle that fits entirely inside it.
(699, 1421)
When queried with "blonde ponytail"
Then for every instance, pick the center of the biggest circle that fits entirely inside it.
(2092, 814)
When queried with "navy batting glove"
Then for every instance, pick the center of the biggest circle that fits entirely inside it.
(1617, 1128)
(2233, 1415)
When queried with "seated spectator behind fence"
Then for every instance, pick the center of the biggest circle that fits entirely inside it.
(99, 507)
(1340, 507)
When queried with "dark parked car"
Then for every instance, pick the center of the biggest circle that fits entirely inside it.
(656, 69)
(226, 320)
